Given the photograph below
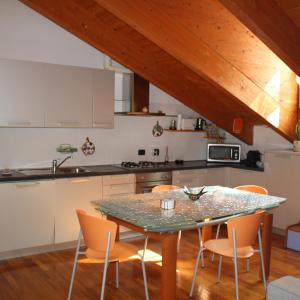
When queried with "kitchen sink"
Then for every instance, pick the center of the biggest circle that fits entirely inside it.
(48, 171)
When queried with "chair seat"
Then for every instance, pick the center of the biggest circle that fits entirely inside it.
(224, 248)
(122, 252)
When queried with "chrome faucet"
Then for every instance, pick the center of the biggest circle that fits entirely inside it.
(55, 166)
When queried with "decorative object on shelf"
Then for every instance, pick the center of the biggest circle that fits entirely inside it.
(145, 109)
(172, 125)
(237, 126)
(66, 148)
(178, 123)
(88, 148)
(297, 142)
(213, 133)
(157, 130)
(194, 193)
(188, 124)
(200, 124)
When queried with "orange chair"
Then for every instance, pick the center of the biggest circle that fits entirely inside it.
(164, 188)
(253, 189)
(242, 233)
(99, 237)
(248, 188)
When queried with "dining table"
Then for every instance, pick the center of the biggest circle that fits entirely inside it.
(143, 213)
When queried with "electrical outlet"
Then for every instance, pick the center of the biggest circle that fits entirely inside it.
(141, 152)
(155, 152)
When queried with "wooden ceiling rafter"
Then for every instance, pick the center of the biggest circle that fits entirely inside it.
(268, 21)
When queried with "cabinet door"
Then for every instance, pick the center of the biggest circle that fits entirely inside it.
(22, 93)
(103, 98)
(245, 177)
(281, 171)
(26, 214)
(190, 178)
(69, 101)
(215, 176)
(72, 194)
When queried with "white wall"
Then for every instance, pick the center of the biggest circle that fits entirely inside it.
(33, 147)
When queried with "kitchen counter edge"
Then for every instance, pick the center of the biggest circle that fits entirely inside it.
(92, 170)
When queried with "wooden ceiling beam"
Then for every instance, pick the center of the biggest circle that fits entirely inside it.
(101, 29)
(171, 35)
(267, 20)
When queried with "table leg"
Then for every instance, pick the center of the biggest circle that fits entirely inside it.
(267, 242)
(168, 276)
(206, 233)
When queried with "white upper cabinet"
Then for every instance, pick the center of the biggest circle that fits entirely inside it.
(22, 93)
(69, 99)
(103, 98)
(36, 94)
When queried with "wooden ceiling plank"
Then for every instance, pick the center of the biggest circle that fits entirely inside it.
(108, 34)
(271, 24)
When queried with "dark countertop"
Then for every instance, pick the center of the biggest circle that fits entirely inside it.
(99, 170)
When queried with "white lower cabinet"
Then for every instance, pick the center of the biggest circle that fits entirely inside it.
(244, 177)
(190, 178)
(118, 185)
(215, 176)
(72, 194)
(27, 212)
(282, 180)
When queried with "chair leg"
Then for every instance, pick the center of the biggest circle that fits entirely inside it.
(220, 268)
(235, 266)
(217, 236)
(201, 248)
(106, 263)
(178, 241)
(195, 273)
(247, 265)
(262, 260)
(145, 279)
(144, 269)
(74, 266)
(117, 274)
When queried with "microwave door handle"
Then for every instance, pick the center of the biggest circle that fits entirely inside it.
(231, 153)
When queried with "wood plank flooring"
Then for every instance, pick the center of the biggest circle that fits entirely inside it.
(46, 276)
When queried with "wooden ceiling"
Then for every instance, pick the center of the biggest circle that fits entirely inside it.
(197, 51)
(292, 9)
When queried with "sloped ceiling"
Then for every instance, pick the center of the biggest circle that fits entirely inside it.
(197, 51)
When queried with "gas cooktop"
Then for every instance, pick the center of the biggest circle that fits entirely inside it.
(144, 165)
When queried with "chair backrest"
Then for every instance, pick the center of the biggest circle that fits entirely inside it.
(253, 188)
(164, 187)
(246, 228)
(95, 231)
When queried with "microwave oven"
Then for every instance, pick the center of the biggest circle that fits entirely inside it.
(224, 153)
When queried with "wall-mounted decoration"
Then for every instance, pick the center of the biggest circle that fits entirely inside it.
(66, 148)
(88, 148)
(157, 130)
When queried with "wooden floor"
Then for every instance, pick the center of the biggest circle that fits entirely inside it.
(46, 276)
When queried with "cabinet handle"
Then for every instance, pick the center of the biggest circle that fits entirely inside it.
(68, 123)
(27, 184)
(79, 180)
(19, 123)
